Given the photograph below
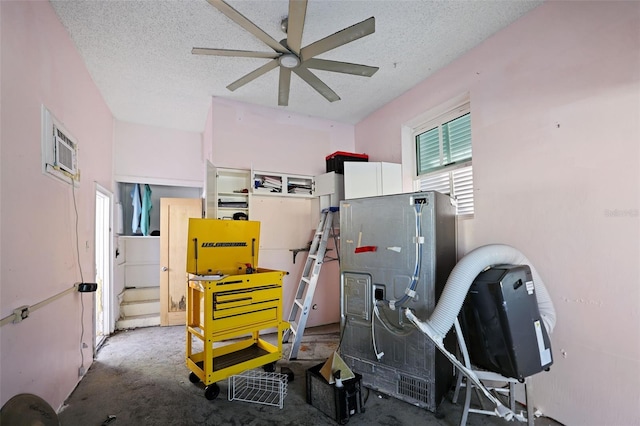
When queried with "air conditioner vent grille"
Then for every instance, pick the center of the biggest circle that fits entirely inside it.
(65, 150)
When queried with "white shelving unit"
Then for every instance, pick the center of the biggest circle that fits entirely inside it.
(228, 192)
(282, 184)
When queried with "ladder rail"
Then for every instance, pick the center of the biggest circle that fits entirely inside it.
(300, 308)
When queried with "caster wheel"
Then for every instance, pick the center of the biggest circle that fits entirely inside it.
(269, 368)
(211, 392)
(288, 372)
(438, 415)
(193, 378)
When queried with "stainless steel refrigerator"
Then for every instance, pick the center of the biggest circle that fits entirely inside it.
(396, 251)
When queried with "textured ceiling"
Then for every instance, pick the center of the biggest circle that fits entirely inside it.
(139, 52)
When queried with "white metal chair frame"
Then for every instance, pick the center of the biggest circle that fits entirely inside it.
(487, 376)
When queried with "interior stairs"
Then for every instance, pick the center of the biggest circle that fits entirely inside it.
(140, 307)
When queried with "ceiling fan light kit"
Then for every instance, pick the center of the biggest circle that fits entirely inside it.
(289, 56)
(289, 60)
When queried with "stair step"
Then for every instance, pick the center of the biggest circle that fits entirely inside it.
(149, 320)
(140, 307)
(141, 293)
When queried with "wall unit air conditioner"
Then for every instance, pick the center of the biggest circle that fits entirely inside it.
(59, 150)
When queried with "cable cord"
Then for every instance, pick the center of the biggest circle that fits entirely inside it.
(417, 265)
(379, 355)
(75, 208)
(388, 325)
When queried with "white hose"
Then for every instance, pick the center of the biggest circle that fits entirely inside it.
(465, 272)
(454, 294)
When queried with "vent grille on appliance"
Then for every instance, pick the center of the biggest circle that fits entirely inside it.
(414, 388)
(65, 151)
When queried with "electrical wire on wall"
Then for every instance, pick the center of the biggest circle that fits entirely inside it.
(23, 312)
(75, 208)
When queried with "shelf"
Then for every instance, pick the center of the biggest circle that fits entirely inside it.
(228, 192)
(284, 185)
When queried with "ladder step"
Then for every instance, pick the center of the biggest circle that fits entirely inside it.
(309, 276)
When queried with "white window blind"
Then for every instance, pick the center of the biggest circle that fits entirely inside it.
(443, 157)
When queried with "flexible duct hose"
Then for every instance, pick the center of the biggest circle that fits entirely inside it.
(465, 272)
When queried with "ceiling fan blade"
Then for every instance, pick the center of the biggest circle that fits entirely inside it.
(240, 19)
(228, 52)
(253, 75)
(342, 67)
(295, 25)
(347, 35)
(284, 86)
(317, 84)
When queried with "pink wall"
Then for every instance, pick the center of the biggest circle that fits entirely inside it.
(555, 102)
(40, 65)
(157, 155)
(274, 140)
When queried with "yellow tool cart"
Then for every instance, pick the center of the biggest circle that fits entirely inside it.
(229, 302)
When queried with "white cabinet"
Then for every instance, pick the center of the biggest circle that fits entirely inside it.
(138, 262)
(329, 188)
(282, 184)
(227, 192)
(370, 179)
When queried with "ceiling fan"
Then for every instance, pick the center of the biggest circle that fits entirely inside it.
(289, 55)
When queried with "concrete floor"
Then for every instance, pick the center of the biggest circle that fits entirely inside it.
(140, 378)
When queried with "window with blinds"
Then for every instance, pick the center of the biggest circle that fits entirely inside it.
(443, 157)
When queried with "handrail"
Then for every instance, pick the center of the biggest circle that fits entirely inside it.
(18, 314)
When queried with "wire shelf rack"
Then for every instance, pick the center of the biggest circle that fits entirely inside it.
(259, 387)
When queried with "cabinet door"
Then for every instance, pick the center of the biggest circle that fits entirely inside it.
(371, 179)
(174, 227)
(329, 187)
(210, 191)
(362, 179)
(391, 178)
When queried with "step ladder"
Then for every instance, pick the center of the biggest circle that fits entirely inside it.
(307, 285)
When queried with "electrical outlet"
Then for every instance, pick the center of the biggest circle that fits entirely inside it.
(20, 314)
(82, 371)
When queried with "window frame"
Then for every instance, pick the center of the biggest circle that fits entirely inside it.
(431, 122)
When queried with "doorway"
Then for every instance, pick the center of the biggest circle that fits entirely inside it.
(103, 240)
(174, 229)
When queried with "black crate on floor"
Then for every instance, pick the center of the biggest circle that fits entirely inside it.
(337, 403)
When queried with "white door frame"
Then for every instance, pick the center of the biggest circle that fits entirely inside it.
(103, 325)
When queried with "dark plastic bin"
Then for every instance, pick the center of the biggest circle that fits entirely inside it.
(337, 403)
(335, 161)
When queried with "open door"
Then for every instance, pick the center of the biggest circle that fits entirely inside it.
(103, 265)
(174, 227)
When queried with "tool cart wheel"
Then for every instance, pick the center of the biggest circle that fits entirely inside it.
(193, 378)
(288, 372)
(269, 368)
(211, 392)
